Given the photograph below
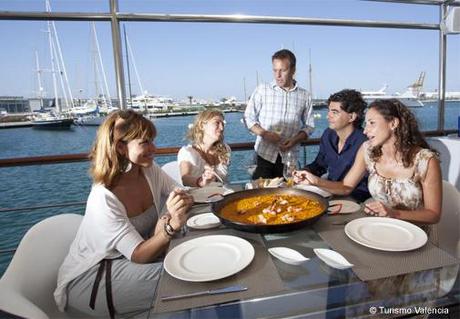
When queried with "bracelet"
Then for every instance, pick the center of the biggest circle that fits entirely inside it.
(169, 230)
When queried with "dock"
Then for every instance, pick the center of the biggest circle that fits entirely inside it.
(6, 125)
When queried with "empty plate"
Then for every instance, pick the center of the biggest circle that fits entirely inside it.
(209, 194)
(203, 221)
(343, 206)
(314, 189)
(332, 258)
(209, 258)
(389, 234)
(288, 255)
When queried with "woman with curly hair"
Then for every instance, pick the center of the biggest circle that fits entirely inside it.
(404, 173)
(207, 158)
(124, 231)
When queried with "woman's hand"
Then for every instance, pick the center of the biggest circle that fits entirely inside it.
(305, 177)
(378, 209)
(178, 203)
(207, 177)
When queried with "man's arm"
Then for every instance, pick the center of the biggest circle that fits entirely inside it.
(318, 166)
(251, 119)
(308, 125)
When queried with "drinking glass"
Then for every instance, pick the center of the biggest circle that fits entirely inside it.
(290, 165)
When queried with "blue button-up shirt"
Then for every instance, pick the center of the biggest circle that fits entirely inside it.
(336, 164)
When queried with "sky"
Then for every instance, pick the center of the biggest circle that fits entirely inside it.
(215, 60)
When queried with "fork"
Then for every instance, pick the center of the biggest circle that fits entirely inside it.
(218, 177)
(342, 223)
(336, 212)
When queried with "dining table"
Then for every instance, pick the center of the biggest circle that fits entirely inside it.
(383, 283)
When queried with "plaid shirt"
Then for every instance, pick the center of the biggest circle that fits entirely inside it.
(283, 112)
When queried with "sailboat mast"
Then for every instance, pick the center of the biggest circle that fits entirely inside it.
(107, 97)
(310, 75)
(127, 67)
(95, 70)
(53, 72)
(244, 88)
(133, 61)
(63, 73)
(39, 78)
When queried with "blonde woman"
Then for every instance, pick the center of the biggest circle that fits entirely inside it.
(123, 232)
(207, 158)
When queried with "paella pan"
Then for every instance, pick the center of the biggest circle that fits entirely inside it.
(270, 210)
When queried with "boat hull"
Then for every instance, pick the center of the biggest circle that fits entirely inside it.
(59, 124)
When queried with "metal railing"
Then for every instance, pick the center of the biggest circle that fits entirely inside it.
(115, 17)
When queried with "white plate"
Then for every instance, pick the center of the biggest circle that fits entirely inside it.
(314, 189)
(209, 258)
(348, 206)
(205, 194)
(387, 234)
(203, 221)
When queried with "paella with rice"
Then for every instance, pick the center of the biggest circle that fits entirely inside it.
(272, 209)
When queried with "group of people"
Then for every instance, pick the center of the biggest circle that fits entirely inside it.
(134, 208)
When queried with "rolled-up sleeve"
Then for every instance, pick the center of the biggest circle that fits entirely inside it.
(307, 118)
(251, 114)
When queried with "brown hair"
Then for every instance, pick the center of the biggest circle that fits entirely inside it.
(120, 126)
(195, 133)
(285, 54)
(409, 139)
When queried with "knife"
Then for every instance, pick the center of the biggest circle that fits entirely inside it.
(235, 288)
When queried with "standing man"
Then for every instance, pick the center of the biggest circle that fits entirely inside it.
(279, 114)
(341, 141)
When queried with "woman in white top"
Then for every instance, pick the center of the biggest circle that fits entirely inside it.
(122, 234)
(206, 160)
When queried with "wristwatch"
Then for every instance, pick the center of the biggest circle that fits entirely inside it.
(169, 229)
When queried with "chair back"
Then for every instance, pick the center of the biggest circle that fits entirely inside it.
(28, 284)
(172, 169)
(449, 225)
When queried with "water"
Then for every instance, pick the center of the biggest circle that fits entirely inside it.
(53, 184)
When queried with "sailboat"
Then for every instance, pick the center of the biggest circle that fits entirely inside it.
(93, 112)
(47, 119)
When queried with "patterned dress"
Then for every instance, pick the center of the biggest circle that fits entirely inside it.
(401, 193)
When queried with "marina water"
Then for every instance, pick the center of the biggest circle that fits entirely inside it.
(54, 184)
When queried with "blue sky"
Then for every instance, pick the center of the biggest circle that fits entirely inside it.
(210, 61)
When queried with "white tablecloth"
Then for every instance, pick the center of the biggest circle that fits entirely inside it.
(449, 149)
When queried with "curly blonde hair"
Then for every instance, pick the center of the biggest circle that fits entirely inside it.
(120, 126)
(409, 139)
(195, 133)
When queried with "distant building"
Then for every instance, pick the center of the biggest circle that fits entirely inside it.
(14, 104)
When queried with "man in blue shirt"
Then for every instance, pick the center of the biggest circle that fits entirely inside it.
(341, 141)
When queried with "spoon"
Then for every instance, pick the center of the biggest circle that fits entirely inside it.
(288, 255)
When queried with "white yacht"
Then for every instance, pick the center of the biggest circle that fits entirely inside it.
(410, 98)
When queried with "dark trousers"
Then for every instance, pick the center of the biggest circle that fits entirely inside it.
(266, 169)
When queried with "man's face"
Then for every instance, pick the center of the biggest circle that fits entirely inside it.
(283, 73)
(338, 118)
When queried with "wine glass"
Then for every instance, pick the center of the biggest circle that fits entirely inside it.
(290, 165)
